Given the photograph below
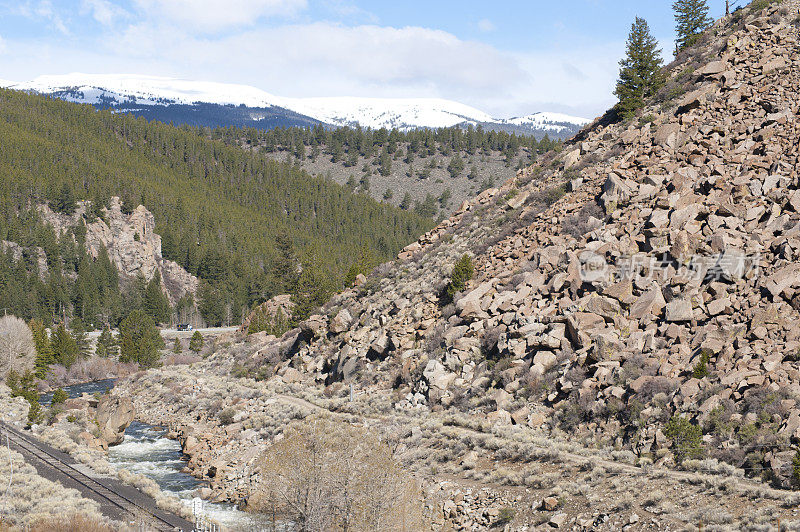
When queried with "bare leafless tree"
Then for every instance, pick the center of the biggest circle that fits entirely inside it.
(327, 475)
(17, 350)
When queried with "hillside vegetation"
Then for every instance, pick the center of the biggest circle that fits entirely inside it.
(218, 208)
(428, 171)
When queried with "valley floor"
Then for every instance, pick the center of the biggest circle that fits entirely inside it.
(476, 474)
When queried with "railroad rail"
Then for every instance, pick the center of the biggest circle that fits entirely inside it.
(117, 500)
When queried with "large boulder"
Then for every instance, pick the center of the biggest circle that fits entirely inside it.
(114, 415)
(341, 322)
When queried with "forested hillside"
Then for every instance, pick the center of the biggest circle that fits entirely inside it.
(430, 171)
(219, 209)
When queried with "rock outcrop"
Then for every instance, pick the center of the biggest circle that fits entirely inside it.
(131, 242)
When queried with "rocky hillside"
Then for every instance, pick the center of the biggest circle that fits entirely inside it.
(131, 242)
(626, 353)
(647, 275)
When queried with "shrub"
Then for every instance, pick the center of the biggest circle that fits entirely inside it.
(74, 523)
(686, 438)
(226, 416)
(17, 350)
(701, 368)
(24, 386)
(462, 272)
(796, 468)
(505, 516)
(551, 195)
(577, 225)
(759, 5)
(59, 396)
(311, 478)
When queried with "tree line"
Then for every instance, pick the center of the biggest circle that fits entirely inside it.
(346, 144)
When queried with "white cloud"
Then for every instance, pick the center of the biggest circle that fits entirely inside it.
(103, 11)
(486, 25)
(42, 9)
(211, 16)
(327, 59)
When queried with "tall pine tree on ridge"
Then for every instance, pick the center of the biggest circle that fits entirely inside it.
(640, 74)
(691, 18)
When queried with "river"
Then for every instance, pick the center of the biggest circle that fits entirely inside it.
(147, 450)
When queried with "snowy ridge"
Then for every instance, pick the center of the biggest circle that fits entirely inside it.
(400, 113)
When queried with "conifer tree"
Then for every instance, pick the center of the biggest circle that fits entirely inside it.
(691, 20)
(80, 338)
(640, 73)
(139, 339)
(155, 302)
(106, 344)
(65, 350)
(196, 342)
(65, 200)
(44, 351)
(284, 267)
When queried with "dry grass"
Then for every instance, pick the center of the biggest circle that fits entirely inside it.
(32, 498)
(73, 523)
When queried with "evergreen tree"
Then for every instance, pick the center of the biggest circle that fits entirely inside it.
(463, 271)
(385, 163)
(284, 267)
(139, 339)
(211, 304)
(196, 342)
(65, 350)
(44, 351)
(314, 288)
(155, 302)
(640, 74)
(426, 208)
(456, 166)
(406, 203)
(691, 18)
(176, 347)
(80, 338)
(106, 344)
(65, 200)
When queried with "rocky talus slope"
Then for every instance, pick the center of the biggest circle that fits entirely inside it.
(665, 283)
(646, 274)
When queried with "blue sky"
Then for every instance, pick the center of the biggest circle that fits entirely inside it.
(508, 58)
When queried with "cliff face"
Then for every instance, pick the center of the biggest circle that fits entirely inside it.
(649, 270)
(132, 245)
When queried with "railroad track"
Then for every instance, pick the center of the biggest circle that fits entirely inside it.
(124, 504)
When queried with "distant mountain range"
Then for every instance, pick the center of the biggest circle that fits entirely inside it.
(213, 104)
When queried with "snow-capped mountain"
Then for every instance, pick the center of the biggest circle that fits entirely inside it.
(212, 103)
(558, 122)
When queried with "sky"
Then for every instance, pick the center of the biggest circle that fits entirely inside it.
(505, 57)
